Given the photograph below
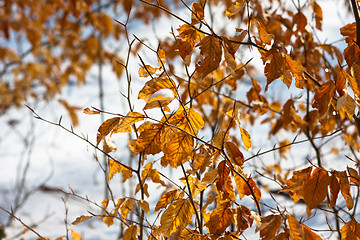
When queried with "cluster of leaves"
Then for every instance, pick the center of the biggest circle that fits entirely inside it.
(201, 126)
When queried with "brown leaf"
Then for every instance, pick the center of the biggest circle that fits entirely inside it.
(81, 219)
(89, 111)
(131, 232)
(210, 52)
(243, 218)
(106, 128)
(318, 14)
(296, 232)
(345, 189)
(274, 66)
(220, 218)
(354, 176)
(165, 199)
(177, 150)
(323, 96)
(197, 13)
(315, 188)
(309, 234)
(223, 173)
(334, 188)
(235, 155)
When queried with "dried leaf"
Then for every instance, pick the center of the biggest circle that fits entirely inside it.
(274, 67)
(147, 71)
(323, 96)
(309, 234)
(159, 101)
(243, 218)
(315, 188)
(296, 232)
(81, 219)
(235, 8)
(126, 123)
(318, 14)
(351, 230)
(345, 189)
(108, 146)
(75, 235)
(334, 188)
(210, 52)
(220, 218)
(197, 13)
(245, 137)
(114, 168)
(131, 233)
(106, 128)
(354, 176)
(154, 85)
(235, 155)
(165, 199)
(89, 111)
(177, 150)
(144, 205)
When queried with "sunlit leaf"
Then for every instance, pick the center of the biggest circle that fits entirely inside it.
(334, 188)
(75, 235)
(154, 85)
(165, 199)
(197, 13)
(235, 155)
(351, 230)
(345, 189)
(89, 111)
(315, 188)
(221, 217)
(131, 233)
(144, 205)
(243, 218)
(109, 146)
(177, 150)
(125, 123)
(245, 137)
(354, 176)
(81, 219)
(210, 51)
(106, 128)
(323, 97)
(147, 71)
(159, 101)
(296, 232)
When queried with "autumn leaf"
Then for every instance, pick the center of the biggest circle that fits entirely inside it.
(354, 176)
(154, 85)
(295, 184)
(315, 188)
(147, 71)
(351, 230)
(106, 128)
(210, 52)
(345, 189)
(268, 226)
(223, 173)
(334, 188)
(243, 218)
(245, 137)
(235, 8)
(81, 219)
(125, 123)
(309, 234)
(108, 146)
(197, 13)
(187, 119)
(131, 233)
(323, 96)
(187, 38)
(149, 140)
(89, 111)
(274, 66)
(108, 220)
(220, 218)
(144, 205)
(75, 235)
(296, 232)
(177, 150)
(114, 168)
(264, 35)
(318, 14)
(176, 217)
(71, 111)
(351, 53)
(165, 200)
(159, 102)
(349, 31)
(235, 155)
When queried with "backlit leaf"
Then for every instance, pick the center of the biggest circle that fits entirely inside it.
(334, 188)
(243, 218)
(318, 14)
(354, 176)
(114, 168)
(197, 13)
(108, 220)
(165, 199)
(296, 232)
(147, 71)
(220, 218)
(315, 188)
(189, 120)
(177, 150)
(159, 101)
(81, 219)
(144, 205)
(154, 85)
(245, 137)
(210, 52)
(345, 189)
(89, 111)
(268, 226)
(309, 234)
(351, 230)
(176, 217)
(125, 123)
(149, 140)
(108, 146)
(323, 96)
(130, 233)
(235, 155)
(75, 235)
(223, 173)
(235, 8)
(274, 66)
(106, 128)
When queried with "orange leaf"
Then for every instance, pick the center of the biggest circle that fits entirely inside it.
(235, 155)
(197, 13)
(345, 189)
(296, 232)
(165, 199)
(89, 111)
(309, 234)
(108, 146)
(147, 71)
(264, 35)
(243, 218)
(334, 188)
(159, 101)
(131, 233)
(318, 14)
(351, 53)
(323, 96)
(274, 68)
(149, 140)
(144, 205)
(351, 230)
(176, 217)
(177, 150)
(268, 226)
(187, 119)
(349, 30)
(210, 52)
(235, 8)
(106, 128)
(354, 176)
(125, 124)
(75, 235)
(81, 219)
(223, 173)
(154, 85)
(114, 168)
(315, 188)
(220, 218)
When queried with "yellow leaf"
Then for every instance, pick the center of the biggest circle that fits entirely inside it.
(274, 66)
(309, 234)
(210, 176)
(75, 235)
(147, 71)
(127, 207)
(165, 199)
(235, 8)
(177, 150)
(264, 35)
(351, 230)
(108, 220)
(114, 168)
(176, 217)
(210, 52)
(159, 101)
(149, 140)
(296, 232)
(131, 233)
(89, 111)
(81, 219)
(106, 128)
(154, 85)
(220, 218)
(202, 159)
(245, 137)
(71, 111)
(125, 124)
(189, 120)
(315, 188)
(144, 205)
(196, 186)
